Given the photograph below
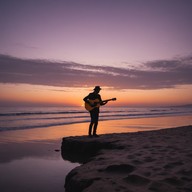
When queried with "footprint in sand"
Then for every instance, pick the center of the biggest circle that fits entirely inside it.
(122, 168)
(136, 180)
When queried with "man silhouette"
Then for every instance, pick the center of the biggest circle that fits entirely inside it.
(94, 112)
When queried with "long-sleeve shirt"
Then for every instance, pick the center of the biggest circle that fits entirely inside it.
(93, 96)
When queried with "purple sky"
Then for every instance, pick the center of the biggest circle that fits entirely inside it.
(138, 50)
(96, 32)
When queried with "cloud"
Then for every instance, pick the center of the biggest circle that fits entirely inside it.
(150, 75)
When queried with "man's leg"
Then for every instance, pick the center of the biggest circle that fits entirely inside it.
(94, 121)
(95, 128)
(96, 118)
(92, 115)
(90, 128)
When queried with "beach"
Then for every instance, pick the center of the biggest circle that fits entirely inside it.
(143, 161)
(31, 159)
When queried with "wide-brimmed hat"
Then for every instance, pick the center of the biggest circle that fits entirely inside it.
(97, 88)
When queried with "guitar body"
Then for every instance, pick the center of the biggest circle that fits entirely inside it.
(96, 103)
(92, 102)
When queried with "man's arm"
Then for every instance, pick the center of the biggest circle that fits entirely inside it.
(86, 99)
(102, 102)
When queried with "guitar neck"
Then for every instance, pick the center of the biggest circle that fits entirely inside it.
(113, 99)
(107, 100)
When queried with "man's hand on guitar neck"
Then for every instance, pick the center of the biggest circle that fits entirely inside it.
(104, 102)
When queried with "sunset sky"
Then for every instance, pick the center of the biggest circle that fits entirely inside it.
(53, 52)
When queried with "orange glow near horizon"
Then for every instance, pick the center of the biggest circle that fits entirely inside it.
(74, 96)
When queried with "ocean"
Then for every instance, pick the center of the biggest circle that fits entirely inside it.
(19, 118)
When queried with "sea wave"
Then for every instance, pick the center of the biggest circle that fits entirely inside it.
(39, 113)
(27, 118)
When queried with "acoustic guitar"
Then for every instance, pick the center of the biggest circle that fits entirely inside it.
(96, 103)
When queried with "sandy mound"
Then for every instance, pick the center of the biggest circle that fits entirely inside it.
(159, 161)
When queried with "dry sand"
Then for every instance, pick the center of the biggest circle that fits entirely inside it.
(150, 161)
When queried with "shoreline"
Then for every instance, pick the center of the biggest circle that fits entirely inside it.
(141, 161)
(104, 127)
